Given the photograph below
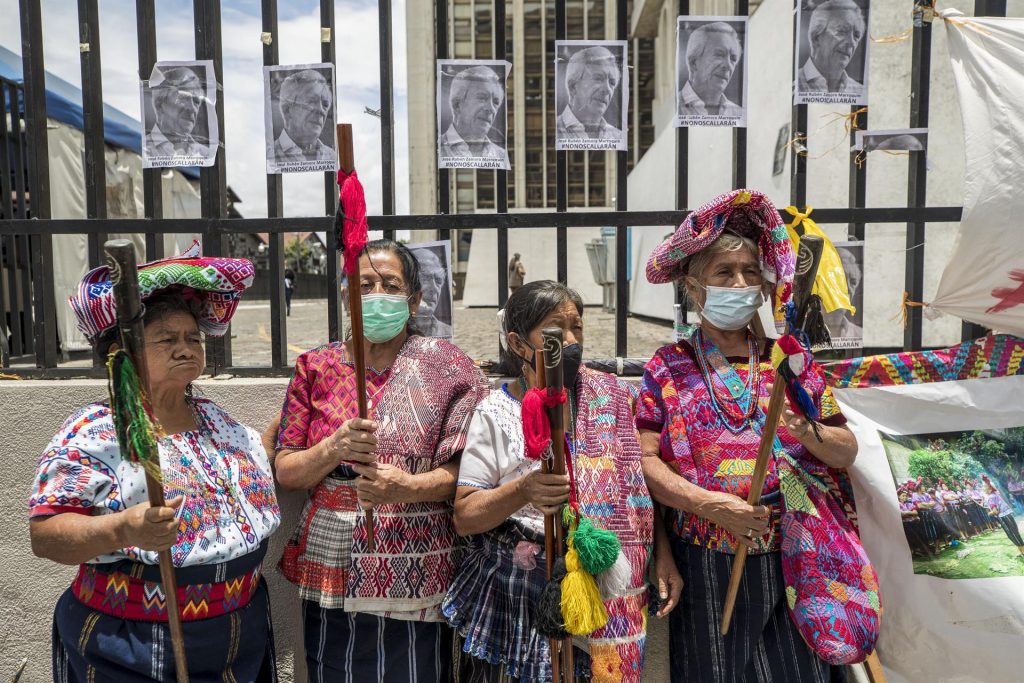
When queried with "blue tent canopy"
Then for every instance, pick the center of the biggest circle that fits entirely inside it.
(64, 104)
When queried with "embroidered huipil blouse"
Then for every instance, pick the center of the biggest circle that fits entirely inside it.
(422, 405)
(675, 401)
(221, 469)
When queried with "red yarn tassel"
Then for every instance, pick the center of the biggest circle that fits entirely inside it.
(536, 428)
(353, 208)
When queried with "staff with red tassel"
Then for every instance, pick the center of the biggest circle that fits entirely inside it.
(554, 531)
(352, 238)
(125, 278)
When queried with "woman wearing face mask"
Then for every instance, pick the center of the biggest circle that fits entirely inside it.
(376, 616)
(502, 498)
(700, 413)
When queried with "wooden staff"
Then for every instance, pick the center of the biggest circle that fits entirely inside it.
(125, 278)
(346, 159)
(555, 542)
(807, 259)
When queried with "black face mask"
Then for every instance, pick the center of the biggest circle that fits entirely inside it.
(572, 360)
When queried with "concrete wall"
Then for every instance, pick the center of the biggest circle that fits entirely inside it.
(29, 587)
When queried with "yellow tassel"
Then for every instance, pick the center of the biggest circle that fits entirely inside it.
(582, 608)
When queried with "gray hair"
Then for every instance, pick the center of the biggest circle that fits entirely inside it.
(724, 243)
(298, 82)
(475, 74)
(174, 79)
(578, 63)
(823, 14)
(699, 38)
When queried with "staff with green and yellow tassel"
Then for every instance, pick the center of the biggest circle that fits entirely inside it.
(133, 417)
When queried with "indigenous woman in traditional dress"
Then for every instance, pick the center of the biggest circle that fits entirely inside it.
(90, 507)
(999, 509)
(700, 414)
(503, 496)
(375, 616)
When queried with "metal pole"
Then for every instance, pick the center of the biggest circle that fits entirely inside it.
(152, 182)
(275, 209)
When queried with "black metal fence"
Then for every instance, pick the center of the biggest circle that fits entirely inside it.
(26, 228)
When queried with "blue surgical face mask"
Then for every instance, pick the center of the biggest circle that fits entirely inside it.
(731, 308)
(384, 316)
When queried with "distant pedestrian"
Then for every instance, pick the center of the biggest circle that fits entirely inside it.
(289, 289)
(516, 273)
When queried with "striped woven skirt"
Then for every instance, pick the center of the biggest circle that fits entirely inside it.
(93, 640)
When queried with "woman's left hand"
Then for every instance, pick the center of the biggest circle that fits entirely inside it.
(666, 579)
(797, 425)
(382, 484)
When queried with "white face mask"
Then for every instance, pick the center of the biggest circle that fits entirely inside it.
(731, 308)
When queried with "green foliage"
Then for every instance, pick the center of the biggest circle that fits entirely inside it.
(947, 465)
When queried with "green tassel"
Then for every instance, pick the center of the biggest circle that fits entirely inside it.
(598, 548)
(137, 431)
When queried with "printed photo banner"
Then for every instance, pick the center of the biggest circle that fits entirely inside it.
(984, 280)
(939, 483)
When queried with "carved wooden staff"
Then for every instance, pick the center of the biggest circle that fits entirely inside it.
(346, 160)
(125, 278)
(807, 259)
(554, 531)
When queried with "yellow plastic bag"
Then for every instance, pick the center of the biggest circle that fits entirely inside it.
(830, 284)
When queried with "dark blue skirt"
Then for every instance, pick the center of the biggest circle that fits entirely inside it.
(90, 646)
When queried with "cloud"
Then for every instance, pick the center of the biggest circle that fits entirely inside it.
(357, 81)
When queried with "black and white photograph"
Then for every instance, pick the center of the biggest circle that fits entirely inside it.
(832, 52)
(472, 119)
(845, 329)
(902, 140)
(711, 71)
(591, 94)
(299, 113)
(434, 317)
(179, 118)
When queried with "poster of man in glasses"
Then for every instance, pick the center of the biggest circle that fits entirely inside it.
(299, 113)
(471, 114)
(591, 94)
(179, 118)
(832, 64)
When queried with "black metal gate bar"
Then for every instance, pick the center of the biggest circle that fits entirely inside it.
(334, 276)
(92, 120)
(44, 327)
(275, 209)
(212, 179)
(444, 204)
(917, 176)
(501, 175)
(152, 181)
(387, 113)
(7, 261)
(621, 229)
(682, 169)
(739, 135)
(465, 221)
(561, 167)
(858, 173)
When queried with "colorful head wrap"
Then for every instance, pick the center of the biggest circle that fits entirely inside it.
(747, 213)
(217, 283)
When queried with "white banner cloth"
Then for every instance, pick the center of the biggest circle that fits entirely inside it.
(984, 280)
(934, 629)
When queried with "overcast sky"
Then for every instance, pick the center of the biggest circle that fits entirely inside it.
(299, 43)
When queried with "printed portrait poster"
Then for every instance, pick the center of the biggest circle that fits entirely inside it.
(434, 316)
(845, 329)
(591, 94)
(832, 52)
(902, 140)
(179, 116)
(472, 120)
(711, 71)
(299, 115)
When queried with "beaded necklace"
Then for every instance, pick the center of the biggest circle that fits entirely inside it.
(735, 400)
